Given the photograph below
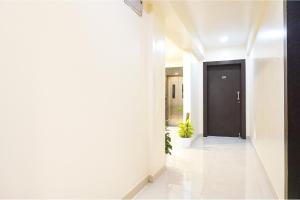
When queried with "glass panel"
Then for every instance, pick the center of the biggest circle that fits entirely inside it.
(182, 90)
(173, 91)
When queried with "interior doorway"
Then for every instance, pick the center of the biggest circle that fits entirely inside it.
(174, 96)
(224, 98)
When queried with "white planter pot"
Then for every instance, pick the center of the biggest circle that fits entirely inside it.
(186, 142)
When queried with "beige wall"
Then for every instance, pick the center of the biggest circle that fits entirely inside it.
(193, 90)
(76, 82)
(266, 86)
(173, 55)
(225, 53)
(197, 95)
(155, 62)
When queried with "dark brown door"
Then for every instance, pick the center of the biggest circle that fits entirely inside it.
(224, 100)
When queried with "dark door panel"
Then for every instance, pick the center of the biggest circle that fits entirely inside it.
(224, 108)
(224, 98)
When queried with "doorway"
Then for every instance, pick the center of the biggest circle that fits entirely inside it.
(174, 96)
(224, 98)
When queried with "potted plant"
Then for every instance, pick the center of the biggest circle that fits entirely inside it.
(186, 132)
(168, 145)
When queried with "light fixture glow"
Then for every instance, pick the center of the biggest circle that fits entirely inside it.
(224, 39)
(272, 34)
(171, 52)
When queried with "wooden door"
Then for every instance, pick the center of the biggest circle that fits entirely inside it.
(224, 100)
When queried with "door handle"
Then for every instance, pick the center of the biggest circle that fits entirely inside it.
(238, 95)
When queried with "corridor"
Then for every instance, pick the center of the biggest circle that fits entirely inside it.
(215, 167)
(87, 88)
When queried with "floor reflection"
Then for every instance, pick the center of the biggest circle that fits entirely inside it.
(213, 168)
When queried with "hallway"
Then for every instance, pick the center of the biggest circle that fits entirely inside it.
(85, 98)
(215, 167)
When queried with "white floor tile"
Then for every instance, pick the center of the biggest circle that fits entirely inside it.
(213, 168)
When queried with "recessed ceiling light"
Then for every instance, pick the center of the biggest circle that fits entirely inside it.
(224, 39)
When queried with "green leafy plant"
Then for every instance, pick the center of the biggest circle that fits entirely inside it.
(168, 146)
(186, 128)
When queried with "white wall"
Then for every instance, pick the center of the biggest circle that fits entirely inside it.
(197, 95)
(155, 62)
(76, 84)
(187, 83)
(193, 90)
(266, 84)
(225, 53)
(173, 55)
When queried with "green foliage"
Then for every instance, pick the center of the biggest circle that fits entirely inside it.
(168, 146)
(186, 129)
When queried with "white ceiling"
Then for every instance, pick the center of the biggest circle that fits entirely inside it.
(208, 21)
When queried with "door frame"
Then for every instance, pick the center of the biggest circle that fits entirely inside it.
(242, 64)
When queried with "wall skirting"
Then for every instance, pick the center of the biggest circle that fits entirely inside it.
(143, 183)
(152, 178)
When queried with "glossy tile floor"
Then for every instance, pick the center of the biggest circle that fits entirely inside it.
(213, 168)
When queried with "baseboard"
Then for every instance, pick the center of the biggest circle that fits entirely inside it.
(195, 136)
(152, 178)
(137, 188)
(148, 179)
